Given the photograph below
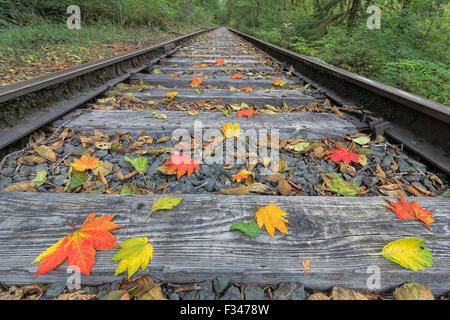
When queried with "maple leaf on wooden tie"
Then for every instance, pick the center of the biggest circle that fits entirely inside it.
(85, 163)
(237, 76)
(79, 246)
(247, 113)
(195, 82)
(230, 130)
(247, 89)
(181, 164)
(171, 94)
(220, 62)
(271, 217)
(342, 154)
(411, 211)
(279, 82)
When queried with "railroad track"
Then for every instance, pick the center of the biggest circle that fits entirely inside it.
(136, 114)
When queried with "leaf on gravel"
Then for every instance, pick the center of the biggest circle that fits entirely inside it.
(244, 190)
(46, 152)
(243, 175)
(104, 167)
(268, 112)
(85, 163)
(41, 175)
(76, 179)
(261, 188)
(247, 113)
(79, 246)
(181, 164)
(379, 172)
(340, 186)
(392, 190)
(339, 293)
(363, 140)
(134, 253)
(413, 291)
(103, 145)
(278, 82)
(346, 168)
(31, 160)
(149, 292)
(129, 189)
(117, 295)
(319, 296)
(271, 217)
(251, 229)
(437, 182)
(417, 191)
(139, 164)
(166, 203)
(342, 154)
(410, 253)
(21, 187)
(410, 211)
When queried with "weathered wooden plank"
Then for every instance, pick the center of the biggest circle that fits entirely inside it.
(257, 97)
(221, 81)
(302, 125)
(335, 234)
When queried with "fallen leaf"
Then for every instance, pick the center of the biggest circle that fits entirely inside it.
(85, 163)
(278, 82)
(41, 175)
(410, 253)
(117, 295)
(139, 164)
(134, 253)
(104, 167)
(251, 229)
(363, 140)
(129, 188)
(181, 164)
(413, 291)
(339, 293)
(306, 264)
(437, 182)
(271, 217)
(31, 160)
(342, 154)
(79, 246)
(242, 175)
(247, 113)
(166, 203)
(46, 152)
(411, 211)
(319, 296)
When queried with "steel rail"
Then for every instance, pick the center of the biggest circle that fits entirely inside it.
(38, 118)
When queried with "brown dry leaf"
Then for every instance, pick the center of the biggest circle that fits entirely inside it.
(153, 292)
(13, 293)
(337, 112)
(261, 188)
(275, 178)
(394, 166)
(77, 295)
(146, 139)
(21, 187)
(163, 139)
(46, 152)
(339, 293)
(392, 190)
(319, 296)
(318, 153)
(128, 284)
(379, 172)
(36, 138)
(435, 179)
(31, 160)
(346, 168)
(243, 190)
(306, 264)
(418, 191)
(285, 188)
(123, 177)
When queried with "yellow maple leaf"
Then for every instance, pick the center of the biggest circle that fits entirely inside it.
(271, 217)
(230, 130)
(171, 94)
(134, 253)
(241, 175)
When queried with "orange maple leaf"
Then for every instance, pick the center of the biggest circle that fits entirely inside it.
(195, 82)
(241, 175)
(171, 94)
(247, 113)
(174, 75)
(79, 246)
(247, 89)
(271, 217)
(342, 154)
(85, 163)
(237, 76)
(220, 62)
(279, 82)
(411, 211)
(181, 164)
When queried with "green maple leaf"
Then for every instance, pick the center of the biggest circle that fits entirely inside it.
(134, 253)
(251, 229)
(140, 164)
(166, 203)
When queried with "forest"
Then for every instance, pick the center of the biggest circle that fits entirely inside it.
(410, 50)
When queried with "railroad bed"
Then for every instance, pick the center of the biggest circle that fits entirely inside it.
(138, 119)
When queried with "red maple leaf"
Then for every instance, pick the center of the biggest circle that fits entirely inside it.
(342, 154)
(247, 113)
(411, 211)
(237, 76)
(220, 62)
(181, 164)
(79, 246)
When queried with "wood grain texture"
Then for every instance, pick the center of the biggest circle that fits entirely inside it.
(302, 125)
(335, 234)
